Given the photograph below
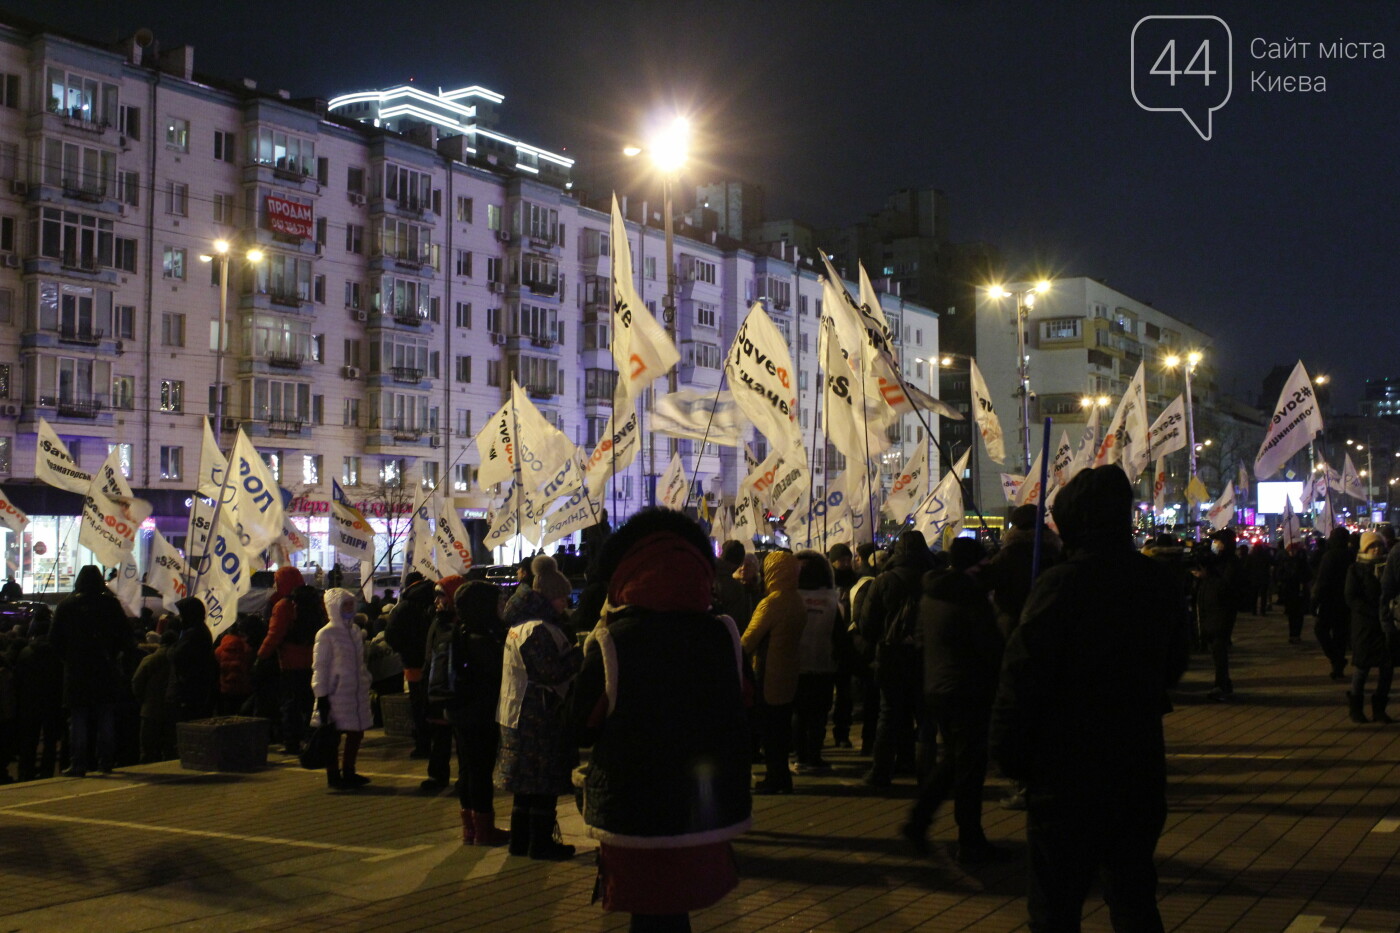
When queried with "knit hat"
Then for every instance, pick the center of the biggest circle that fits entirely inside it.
(1370, 539)
(448, 585)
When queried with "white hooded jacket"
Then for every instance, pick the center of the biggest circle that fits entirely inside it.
(338, 666)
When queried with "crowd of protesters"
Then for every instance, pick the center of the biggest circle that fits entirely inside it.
(679, 673)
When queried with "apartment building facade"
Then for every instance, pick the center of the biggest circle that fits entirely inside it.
(401, 287)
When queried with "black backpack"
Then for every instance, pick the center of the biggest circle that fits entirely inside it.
(902, 630)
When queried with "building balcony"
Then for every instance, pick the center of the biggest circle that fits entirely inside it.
(82, 336)
(410, 208)
(284, 361)
(397, 432)
(282, 174)
(547, 289)
(542, 393)
(83, 267)
(268, 425)
(69, 338)
(406, 375)
(403, 320)
(284, 302)
(86, 191)
(87, 409)
(74, 121)
(416, 262)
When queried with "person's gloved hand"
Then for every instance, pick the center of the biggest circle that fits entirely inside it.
(323, 710)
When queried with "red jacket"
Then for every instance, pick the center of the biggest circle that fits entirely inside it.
(290, 657)
(235, 657)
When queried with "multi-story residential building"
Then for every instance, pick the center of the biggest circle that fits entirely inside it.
(1084, 341)
(401, 287)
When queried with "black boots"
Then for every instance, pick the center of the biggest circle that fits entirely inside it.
(1354, 701)
(545, 843)
(1378, 713)
(519, 831)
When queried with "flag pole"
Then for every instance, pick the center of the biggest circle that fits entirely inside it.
(1040, 502)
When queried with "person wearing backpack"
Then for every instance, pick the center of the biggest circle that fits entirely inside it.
(193, 687)
(290, 639)
(890, 621)
(436, 678)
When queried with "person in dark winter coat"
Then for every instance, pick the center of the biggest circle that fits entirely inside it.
(407, 633)
(38, 703)
(731, 597)
(436, 655)
(1259, 568)
(1217, 605)
(150, 684)
(1329, 600)
(1372, 633)
(469, 691)
(538, 665)
(1291, 582)
(91, 635)
(1007, 576)
(660, 700)
(1078, 712)
(194, 671)
(962, 657)
(893, 597)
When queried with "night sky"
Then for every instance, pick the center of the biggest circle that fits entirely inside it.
(1278, 236)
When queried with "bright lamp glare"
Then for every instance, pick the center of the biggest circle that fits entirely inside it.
(631, 151)
(1172, 361)
(996, 291)
(1043, 286)
(221, 246)
(669, 149)
(1193, 357)
(255, 255)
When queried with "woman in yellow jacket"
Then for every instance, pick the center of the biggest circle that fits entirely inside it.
(773, 639)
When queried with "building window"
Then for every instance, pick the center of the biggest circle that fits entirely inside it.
(223, 209)
(391, 473)
(493, 373)
(177, 199)
(354, 238)
(464, 369)
(354, 295)
(464, 422)
(124, 393)
(701, 271)
(129, 121)
(172, 395)
(352, 413)
(355, 179)
(1060, 329)
(172, 462)
(4, 380)
(124, 322)
(493, 320)
(173, 262)
(177, 134)
(6, 445)
(649, 268)
(9, 91)
(432, 472)
(705, 355)
(311, 469)
(318, 289)
(462, 477)
(463, 317)
(464, 263)
(282, 151)
(123, 452)
(172, 329)
(598, 385)
(124, 254)
(493, 217)
(464, 209)
(223, 146)
(705, 314)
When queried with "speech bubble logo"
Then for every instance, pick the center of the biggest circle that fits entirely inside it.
(1183, 64)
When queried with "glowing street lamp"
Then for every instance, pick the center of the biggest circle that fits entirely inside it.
(1025, 300)
(222, 252)
(1188, 366)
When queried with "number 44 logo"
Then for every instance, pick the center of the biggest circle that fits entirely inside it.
(1195, 90)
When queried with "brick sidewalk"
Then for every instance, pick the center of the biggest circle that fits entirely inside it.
(1283, 819)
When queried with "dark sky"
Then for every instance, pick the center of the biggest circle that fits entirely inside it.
(1278, 236)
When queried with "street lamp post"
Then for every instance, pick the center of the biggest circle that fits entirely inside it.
(1188, 365)
(668, 151)
(222, 253)
(1368, 474)
(1025, 300)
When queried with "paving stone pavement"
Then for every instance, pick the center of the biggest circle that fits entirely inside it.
(1284, 819)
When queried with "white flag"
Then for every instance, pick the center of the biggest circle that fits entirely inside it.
(167, 572)
(495, 444)
(699, 415)
(53, 464)
(641, 347)
(1326, 518)
(617, 445)
(1028, 493)
(1169, 430)
(127, 587)
(1088, 446)
(1126, 440)
(252, 495)
(543, 447)
(225, 576)
(1351, 480)
(985, 415)
(11, 516)
(292, 540)
(1011, 484)
(111, 514)
(760, 373)
(1064, 456)
(942, 509)
(1222, 511)
(782, 480)
(577, 513)
(420, 546)
(864, 338)
(212, 464)
(454, 547)
(672, 490)
(909, 486)
(351, 533)
(1297, 420)
(1292, 528)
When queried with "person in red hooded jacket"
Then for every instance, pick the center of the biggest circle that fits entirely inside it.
(297, 614)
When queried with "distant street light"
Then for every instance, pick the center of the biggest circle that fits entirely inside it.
(1188, 368)
(1025, 300)
(222, 251)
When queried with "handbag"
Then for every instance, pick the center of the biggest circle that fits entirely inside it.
(318, 750)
